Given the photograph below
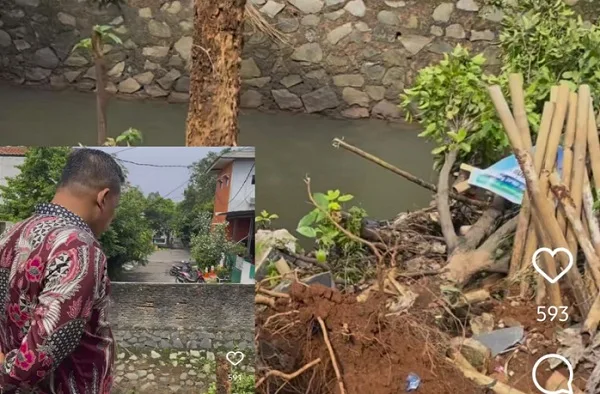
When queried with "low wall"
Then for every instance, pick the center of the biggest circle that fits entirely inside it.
(207, 317)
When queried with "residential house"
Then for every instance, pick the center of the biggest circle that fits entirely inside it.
(235, 196)
(10, 158)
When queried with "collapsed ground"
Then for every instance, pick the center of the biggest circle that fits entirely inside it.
(445, 298)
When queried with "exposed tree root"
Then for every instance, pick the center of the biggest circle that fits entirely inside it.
(287, 376)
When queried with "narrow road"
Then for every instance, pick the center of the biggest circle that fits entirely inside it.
(157, 269)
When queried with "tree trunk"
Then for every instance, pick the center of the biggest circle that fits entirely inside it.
(100, 86)
(214, 75)
(223, 373)
(443, 203)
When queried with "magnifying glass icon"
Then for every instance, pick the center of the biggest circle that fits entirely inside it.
(569, 389)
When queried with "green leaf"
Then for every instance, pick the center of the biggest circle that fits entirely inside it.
(321, 200)
(308, 232)
(264, 213)
(114, 38)
(308, 219)
(274, 216)
(334, 206)
(333, 194)
(345, 197)
(439, 150)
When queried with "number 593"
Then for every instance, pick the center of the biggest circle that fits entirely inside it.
(552, 313)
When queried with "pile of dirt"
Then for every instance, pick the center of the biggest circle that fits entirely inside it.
(375, 351)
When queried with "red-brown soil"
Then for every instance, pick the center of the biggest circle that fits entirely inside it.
(375, 353)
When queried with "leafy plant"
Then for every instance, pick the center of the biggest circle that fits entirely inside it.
(455, 109)
(265, 219)
(129, 137)
(211, 242)
(316, 224)
(105, 32)
(548, 43)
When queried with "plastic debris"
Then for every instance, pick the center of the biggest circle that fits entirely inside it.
(500, 340)
(413, 381)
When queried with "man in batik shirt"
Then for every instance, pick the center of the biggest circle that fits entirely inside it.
(54, 287)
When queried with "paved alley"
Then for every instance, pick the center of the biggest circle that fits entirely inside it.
(157, 269)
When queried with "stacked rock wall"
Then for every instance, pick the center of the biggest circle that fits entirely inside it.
(339, 57)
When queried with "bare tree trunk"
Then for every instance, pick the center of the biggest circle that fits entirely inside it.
(214, 76)
(100, 86)
(443, 204)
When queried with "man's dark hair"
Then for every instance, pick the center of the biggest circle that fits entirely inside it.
(92, 168)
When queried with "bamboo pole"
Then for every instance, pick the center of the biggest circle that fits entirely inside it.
(525, 233)
(542, 206)
(558, 120)
(517, 96)
(568, 143)
(405, 174)
(568, 205)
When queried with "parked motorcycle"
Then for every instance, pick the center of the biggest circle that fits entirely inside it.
(183, 266)
(189, 276)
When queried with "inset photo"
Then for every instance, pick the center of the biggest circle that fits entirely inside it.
(125, 269)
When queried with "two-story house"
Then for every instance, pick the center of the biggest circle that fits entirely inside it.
(235, 194)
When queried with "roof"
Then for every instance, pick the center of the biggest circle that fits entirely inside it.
(245, 153)
(12, 150)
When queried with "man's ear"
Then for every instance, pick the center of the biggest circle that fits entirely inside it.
(102, 197)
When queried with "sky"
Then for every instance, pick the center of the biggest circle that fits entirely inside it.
(159, 169)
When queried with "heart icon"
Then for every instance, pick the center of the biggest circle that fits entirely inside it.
(552, 253)
(235, 358)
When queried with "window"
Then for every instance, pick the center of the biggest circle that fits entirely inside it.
(253, 179)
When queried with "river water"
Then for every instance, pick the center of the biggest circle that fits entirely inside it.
(289, 147)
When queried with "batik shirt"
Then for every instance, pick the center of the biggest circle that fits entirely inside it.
(53, 307)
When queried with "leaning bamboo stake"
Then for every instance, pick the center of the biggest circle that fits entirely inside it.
(558, 120)
(542, 206)
(568, 205)
(524, 233)
(543, 286)
(404, 174)
(561, 101)
(563, 195)
(517, 95)
(568, 143)
(518, 103)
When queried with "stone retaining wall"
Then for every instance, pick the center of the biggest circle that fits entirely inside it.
(343, 57)
(210, 318)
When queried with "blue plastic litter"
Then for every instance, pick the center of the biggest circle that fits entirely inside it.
(413, 381)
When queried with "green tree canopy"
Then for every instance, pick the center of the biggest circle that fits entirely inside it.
(198, 198)
(129, 237)
(160, 213)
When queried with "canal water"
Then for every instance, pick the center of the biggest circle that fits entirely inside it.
(289, 147)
